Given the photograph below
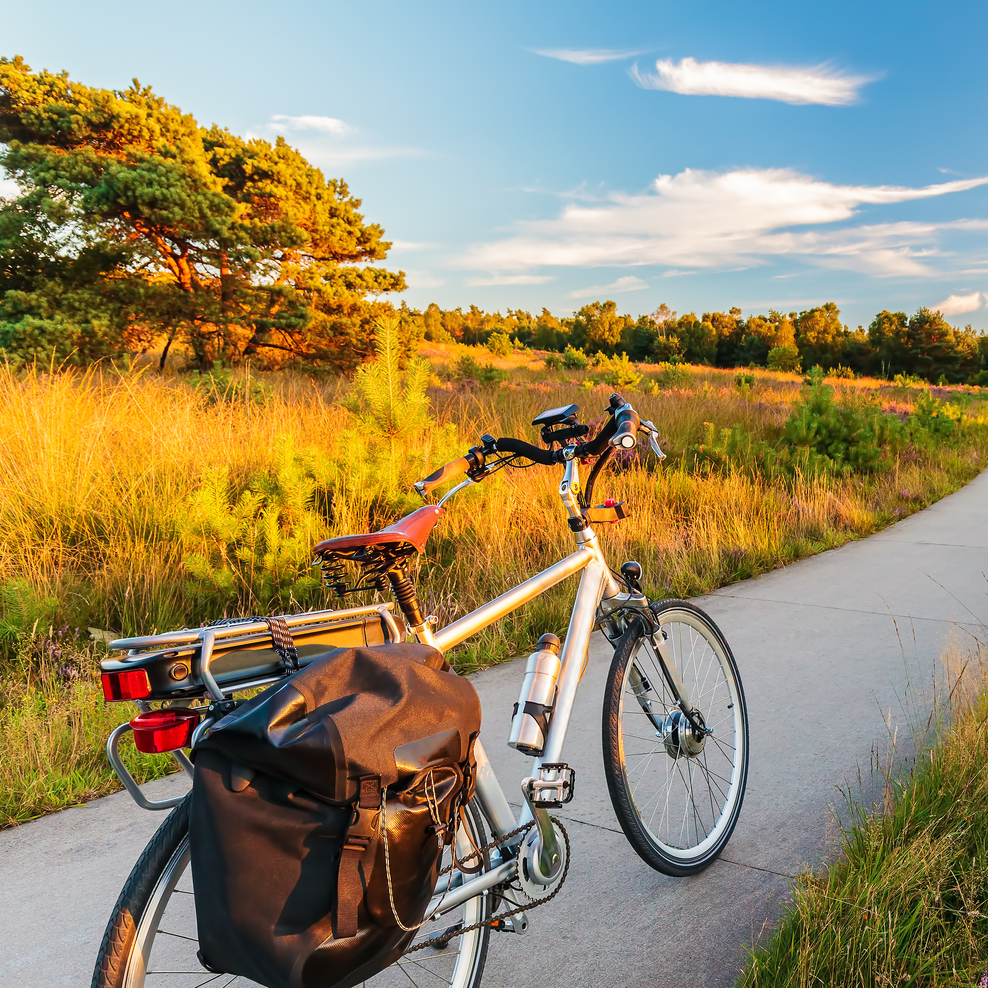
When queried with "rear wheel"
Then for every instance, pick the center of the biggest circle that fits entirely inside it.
(676, 790)
(151, 939)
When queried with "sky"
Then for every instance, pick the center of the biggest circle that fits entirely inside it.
(521, 155)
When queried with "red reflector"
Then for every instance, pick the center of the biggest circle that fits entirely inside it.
(164, 730)
(130, 685)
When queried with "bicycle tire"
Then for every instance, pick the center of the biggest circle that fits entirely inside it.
(127, 951)
(700, 802)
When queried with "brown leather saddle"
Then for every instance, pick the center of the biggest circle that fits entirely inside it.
(412, 532)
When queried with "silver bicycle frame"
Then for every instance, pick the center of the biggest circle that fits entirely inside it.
(596, 583)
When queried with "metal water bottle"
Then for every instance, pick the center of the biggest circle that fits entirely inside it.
(530, 720)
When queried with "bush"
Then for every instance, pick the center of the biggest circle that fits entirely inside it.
(484, 374)
(672, 375)
(744, 381)
(554, 361)
(931, 417)
(784, 358)
(908, 381)
(837, 437)
(617, 372)
(574, 359)
(845, 373)
(499, 344)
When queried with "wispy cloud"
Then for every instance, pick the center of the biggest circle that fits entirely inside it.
(423, 279)
(789, 84)
(955, 305)
(627, 284)
(330, 125)
(512, 279)
(586, 56)
(328, 142)
(700, 219)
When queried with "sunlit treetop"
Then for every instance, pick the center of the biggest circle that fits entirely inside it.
(233, 246)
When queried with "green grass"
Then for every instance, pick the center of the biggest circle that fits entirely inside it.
(907, 901)
(54, 725)
(132, 503)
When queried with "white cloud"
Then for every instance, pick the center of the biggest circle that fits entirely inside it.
(331, 125)
(327, 142)
(700, 219)
(626, 284)
(585, 56)
(423, 279)
(789, 84)
(954, 305)
(512, 279)
(412, 245)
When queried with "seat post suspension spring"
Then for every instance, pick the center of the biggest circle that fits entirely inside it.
(406, 596)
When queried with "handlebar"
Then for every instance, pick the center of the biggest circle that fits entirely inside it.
(440, 476)
(620, 431)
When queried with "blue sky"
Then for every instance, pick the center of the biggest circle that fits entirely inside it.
(528, 154)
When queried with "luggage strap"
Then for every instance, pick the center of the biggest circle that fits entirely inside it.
(284, 644)
(361, 833)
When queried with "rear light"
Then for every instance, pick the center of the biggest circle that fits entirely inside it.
(130, 685)
(164, 730)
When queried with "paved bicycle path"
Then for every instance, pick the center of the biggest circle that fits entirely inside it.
(827, 648)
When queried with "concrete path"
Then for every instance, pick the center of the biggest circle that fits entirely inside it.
(827, 650)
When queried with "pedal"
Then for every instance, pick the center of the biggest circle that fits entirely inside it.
(554, 786)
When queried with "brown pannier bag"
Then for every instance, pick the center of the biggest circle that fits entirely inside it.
(288, 799)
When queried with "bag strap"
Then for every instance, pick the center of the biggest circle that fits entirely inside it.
(284, 644)
(361, 833)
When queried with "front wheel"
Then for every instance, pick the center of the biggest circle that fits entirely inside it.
(151, 940)
(676, 781)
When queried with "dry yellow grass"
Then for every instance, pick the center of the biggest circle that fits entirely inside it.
(135, 503)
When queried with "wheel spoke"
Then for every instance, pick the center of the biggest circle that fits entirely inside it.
(683, 804)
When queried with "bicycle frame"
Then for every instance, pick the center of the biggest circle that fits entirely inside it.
(597, 597)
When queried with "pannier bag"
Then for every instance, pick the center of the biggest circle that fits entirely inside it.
(293, 878)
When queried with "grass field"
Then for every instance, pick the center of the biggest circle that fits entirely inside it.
(134, 503)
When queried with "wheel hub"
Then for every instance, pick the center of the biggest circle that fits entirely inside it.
(678, 735)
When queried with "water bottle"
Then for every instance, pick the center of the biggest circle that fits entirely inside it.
(530, 719)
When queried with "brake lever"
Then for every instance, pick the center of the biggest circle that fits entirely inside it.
(653, 439)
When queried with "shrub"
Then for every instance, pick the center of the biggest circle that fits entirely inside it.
(499, 344)
(784, 358)
(837, 437)
(672, 375)
(554, 361)
(574, 359)
(484, 374)
(618, 372)
(908, 381)
(745, 381)
(840, 371)
(931, 416)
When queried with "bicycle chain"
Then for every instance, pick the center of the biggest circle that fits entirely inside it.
(531, 904)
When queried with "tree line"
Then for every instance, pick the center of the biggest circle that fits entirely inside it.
(923, 345)
(135, 229)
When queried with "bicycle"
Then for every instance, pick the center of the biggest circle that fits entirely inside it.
(674, 727)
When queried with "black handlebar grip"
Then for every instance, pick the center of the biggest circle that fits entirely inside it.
(626, 432)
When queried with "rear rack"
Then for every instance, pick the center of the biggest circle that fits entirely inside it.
(224, 659)
(221, 659)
